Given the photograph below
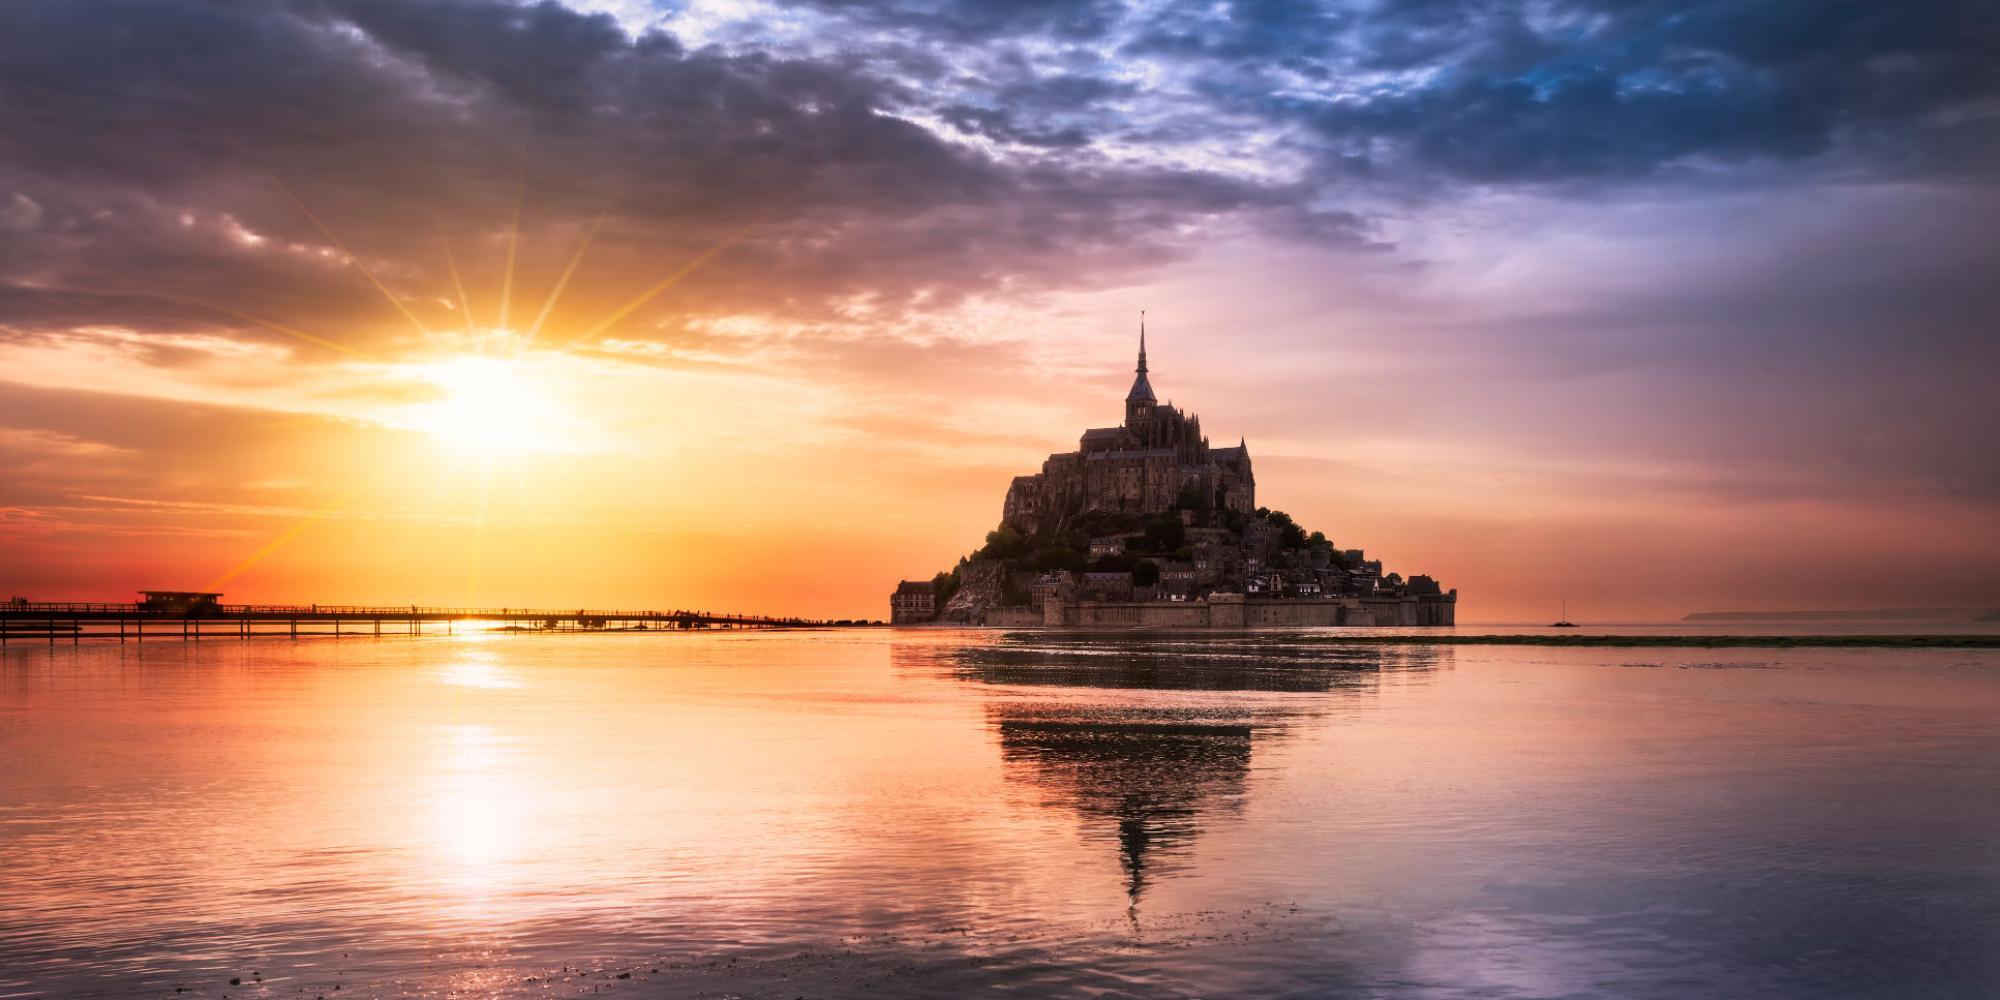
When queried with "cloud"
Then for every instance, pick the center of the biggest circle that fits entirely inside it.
(1750, 235)
(157, 163)
(1514, 93)
(939, 150)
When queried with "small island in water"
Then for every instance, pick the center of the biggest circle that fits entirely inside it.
(1147, 524)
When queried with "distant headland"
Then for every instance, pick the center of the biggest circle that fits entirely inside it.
(1146, 524)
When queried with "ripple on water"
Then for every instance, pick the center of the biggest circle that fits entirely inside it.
(922, 814)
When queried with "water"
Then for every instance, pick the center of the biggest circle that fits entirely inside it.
(877, 814)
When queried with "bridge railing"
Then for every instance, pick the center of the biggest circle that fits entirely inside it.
(43, 608)
(63, 607)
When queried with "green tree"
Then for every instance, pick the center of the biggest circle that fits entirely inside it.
(945, 585)
(1055, 557)
(1004, 543)
(1145, 573)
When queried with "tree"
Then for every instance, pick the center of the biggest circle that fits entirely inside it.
(1165, 533)
(1004, 543)
(1145, 573)
(944, 585)
(1054, 557)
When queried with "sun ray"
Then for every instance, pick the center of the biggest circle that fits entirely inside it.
(562, 282)
(284, 538)
(280, 327)
(464, 303)
(513, 238)
(661, 286)
(351, 258)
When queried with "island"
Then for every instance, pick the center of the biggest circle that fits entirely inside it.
(1146, 524)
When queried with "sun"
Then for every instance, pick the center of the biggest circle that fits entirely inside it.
(488, 405)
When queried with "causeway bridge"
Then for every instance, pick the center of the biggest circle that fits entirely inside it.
(155, 619)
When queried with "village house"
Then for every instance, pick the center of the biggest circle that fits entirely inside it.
(913, 601)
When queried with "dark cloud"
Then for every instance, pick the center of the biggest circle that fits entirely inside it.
(985, 20)
(1494, 92)
(912, 153)
(148, 141)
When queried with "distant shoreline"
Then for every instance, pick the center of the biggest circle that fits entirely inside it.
(1685, 641)
(1981, 614)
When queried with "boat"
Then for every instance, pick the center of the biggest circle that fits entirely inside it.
(1564, 621)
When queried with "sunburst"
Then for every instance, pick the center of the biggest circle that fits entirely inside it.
(491, 394)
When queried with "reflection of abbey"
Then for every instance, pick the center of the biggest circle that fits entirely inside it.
(1146, 524)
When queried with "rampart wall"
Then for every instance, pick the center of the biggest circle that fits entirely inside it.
(1347, 612)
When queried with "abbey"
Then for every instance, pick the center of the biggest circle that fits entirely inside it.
(1146, 524)
(1155, 460)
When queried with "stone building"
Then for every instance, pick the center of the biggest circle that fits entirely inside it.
(913, 601)
(1157, 458)
(1150, 499)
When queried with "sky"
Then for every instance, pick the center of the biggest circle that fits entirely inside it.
(1656, 307)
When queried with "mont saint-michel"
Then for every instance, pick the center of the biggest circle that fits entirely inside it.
(1147, 524)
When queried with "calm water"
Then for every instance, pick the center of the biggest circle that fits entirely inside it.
(875, 814)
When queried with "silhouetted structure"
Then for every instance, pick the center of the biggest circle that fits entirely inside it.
(185, 603)
(1146, 524)
(195, 614)
(1157, 458)
(913, 601)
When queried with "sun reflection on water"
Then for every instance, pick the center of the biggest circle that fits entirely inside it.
(477, 792)
(479, 669)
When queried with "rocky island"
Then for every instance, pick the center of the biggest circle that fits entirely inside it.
(1146, 524)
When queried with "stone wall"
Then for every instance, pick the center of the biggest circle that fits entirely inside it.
(1013, 617)
(1240, 613)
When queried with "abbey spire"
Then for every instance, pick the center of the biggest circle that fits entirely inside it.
(1142, 390)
